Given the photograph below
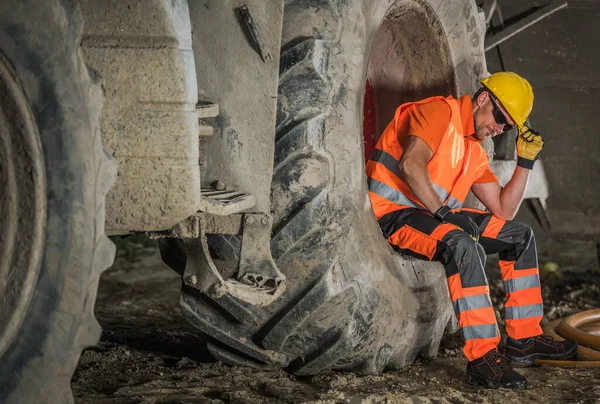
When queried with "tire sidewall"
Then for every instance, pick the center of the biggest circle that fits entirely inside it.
(40, 42)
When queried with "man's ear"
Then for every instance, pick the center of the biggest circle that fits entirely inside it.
(481, 99)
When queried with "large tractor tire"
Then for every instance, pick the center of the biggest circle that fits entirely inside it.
(351, 302)
(54, 176)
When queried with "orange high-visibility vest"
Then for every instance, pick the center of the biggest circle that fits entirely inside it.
(453, 169)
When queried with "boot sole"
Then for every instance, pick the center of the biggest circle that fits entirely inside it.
(480, 381)
(526, 361)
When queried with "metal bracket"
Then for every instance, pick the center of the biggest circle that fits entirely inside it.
(258, 281)
(258, 39)
(211, 224)
(524, 23)
(200, 271)
(207, 109)
(257, 267)
(225, 202)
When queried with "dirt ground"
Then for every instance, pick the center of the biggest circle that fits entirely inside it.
(149, 354)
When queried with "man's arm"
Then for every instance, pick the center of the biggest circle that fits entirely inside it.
(504, 202)
(413, 169)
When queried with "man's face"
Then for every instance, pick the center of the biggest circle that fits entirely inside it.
(485, 123)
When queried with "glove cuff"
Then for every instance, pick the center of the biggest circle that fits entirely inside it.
(525, 163)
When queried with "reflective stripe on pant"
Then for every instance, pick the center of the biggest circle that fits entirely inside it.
(416, 233)
(515, 244)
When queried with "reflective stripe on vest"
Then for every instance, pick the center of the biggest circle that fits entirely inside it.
(389, 193)
(451, 168)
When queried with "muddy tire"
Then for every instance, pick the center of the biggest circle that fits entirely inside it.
(54, 175)
(350, 302)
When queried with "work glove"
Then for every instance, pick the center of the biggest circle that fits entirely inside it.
(529, 145)
(465, 223)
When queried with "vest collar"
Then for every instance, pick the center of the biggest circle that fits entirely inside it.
(466, 116)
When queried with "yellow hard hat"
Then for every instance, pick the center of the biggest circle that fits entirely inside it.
(514, 93)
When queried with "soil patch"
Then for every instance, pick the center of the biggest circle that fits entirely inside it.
(149, 354)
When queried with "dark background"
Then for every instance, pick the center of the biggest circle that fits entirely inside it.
(560, 57)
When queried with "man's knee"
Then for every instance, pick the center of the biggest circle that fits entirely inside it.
(465, 245)
(461, 242)
(514, 228)
(467, 258)
(517, 233)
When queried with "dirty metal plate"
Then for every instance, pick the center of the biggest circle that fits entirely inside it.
(225, 202)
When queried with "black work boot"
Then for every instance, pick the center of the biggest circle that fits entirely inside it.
(493, 370)
(522, 352)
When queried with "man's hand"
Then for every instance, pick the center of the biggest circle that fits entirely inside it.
(465, 223)
(529, 145)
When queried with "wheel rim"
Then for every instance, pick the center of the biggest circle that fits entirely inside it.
(22, 205)
(397, 73)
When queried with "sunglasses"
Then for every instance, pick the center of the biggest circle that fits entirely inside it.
(499, 116)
